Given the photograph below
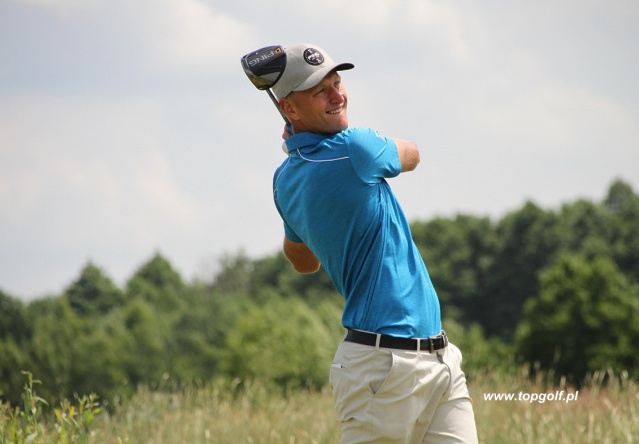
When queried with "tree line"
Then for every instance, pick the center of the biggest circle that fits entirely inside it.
(554, 290)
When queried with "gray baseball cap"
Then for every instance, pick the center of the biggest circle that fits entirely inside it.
(306, 66)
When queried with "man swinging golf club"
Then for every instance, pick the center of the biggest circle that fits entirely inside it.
(395, 377)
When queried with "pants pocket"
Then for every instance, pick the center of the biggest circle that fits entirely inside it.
(358, 373)
(381, 370)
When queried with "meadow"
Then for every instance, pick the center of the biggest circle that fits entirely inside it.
(604, 410)
(535, 287)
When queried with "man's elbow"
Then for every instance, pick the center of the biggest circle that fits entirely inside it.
(412, 158)
(304, 265)
(408, 155)
(301, 257)
(307, 268)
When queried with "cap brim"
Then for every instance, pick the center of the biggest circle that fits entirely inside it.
(319, 75)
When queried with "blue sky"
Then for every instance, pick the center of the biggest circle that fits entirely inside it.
(128, 128)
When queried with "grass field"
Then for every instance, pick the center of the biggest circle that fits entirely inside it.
(599, 415)
(221, 413)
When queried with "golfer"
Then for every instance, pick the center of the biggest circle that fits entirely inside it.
(395, 377)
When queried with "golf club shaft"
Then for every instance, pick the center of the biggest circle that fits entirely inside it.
(277, 105)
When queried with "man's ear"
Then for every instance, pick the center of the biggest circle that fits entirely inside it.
(288, 109)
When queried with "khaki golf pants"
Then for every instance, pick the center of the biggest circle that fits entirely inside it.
(395, 396)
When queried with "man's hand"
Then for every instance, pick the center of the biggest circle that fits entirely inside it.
(287, 132)
(408, 154)
(302, 258)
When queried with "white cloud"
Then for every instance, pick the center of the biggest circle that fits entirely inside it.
(443, 19)
(187, 34)
(102, 154)
(181, 35)
(559, 120)
(157, 186)
(63, 9)
(128, 126)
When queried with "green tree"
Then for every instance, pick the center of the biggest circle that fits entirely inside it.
(53, 350)
(457, 253)
(481, 355)
(282, 342)
(157, 283)
(240, 275)
(73, 354)
(623, 205)
(102, 353)
(13, 323)
(199, 334)
(527, 241)
(234, 277)
(146, 356)
(93, 292)
(585, 319)
(585, 228)
(12, 361)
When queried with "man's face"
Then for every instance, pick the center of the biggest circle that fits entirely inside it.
(321, 109)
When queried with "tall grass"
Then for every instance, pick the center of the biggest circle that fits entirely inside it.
(222, 413)
(605, 411)
(70, 423)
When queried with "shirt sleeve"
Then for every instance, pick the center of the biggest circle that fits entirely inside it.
(290, 234)
(288, 231)
(374, 157)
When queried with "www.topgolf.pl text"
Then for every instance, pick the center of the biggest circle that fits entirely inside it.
(558, 396)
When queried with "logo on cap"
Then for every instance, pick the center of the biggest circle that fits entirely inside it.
(313, 56)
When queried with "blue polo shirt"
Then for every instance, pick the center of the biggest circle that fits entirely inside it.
(332, 194)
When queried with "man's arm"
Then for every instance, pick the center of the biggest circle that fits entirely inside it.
(302, 258)
(408, 154)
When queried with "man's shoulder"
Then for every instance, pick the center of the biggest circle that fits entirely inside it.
(363, 135)
(357, 131)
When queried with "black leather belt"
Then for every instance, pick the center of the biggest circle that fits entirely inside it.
(427, 344)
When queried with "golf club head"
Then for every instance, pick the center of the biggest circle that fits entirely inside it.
(265, 66)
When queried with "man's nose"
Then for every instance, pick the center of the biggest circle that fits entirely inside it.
(336, 94)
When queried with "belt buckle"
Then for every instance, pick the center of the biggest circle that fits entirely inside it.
(430, 341)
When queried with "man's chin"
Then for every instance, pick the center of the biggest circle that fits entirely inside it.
(342, 125)
(338, 129)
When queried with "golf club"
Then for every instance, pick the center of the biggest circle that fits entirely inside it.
(264, 67)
